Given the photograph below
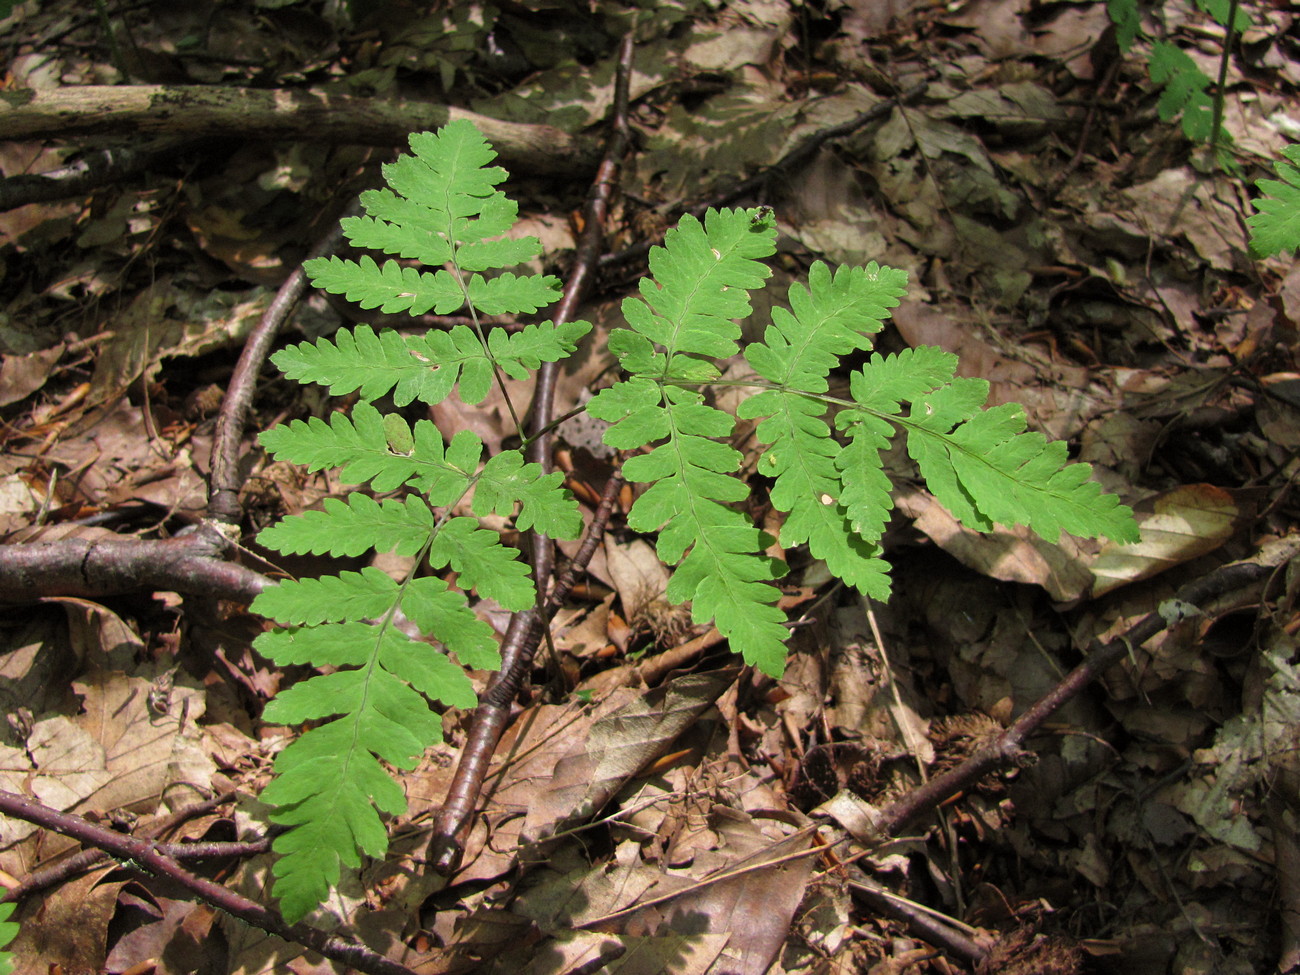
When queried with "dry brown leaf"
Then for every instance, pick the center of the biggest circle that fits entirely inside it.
(68, 932)
(1185, 523)
(1012, 556)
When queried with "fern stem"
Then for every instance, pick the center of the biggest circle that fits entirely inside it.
(1220, 89)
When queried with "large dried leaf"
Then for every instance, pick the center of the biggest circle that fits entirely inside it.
(616, 748)
(1186, 523)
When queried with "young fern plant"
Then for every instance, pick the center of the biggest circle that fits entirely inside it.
(445, 212)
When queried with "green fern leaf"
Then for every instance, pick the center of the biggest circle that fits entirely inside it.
(353, 527)
(829, 318)
(1185, 90)
(330, 788)
(443, 613)
(8, 931)
(1276, 227)
(482, 563)
(702, 276)
(1127, 19)
(390, 287)
(988, 470)
(879, 388)
(544, 507)
(358, 359)
(347, 596)
(359, 445)
(425, 368)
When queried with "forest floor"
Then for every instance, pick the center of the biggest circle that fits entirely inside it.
(1072, 248)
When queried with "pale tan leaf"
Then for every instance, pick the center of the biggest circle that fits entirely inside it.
(1185, 523)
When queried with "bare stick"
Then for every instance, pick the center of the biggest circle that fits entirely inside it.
(522, 636)
(278, 114)
(191, 563)
(1007, 748)
(226, 480)
(146, 856)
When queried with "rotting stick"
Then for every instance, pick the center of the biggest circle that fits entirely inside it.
(145, 856)
(526, 628)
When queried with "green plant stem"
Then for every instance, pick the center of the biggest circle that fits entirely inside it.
(1220, 90)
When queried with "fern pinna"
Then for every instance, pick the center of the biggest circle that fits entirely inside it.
(980, 463)
(444, 211)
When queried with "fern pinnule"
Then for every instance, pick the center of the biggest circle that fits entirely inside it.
(1276, 227)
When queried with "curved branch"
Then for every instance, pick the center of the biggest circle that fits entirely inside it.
(192, 563)
(147, 857)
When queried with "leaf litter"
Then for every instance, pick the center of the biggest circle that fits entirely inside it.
(1122, 309)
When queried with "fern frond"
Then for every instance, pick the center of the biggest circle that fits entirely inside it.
(1127, 19)
(702, 277)
(1185, 91)
(359, 444)
(442, 209)
(353, 527)
(1276, 227)
(984, 467)
(544, 506)
(330, 786)
(346, 596)
(482, 563)
(390, 287)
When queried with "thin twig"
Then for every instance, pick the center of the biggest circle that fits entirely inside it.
(227, 479)
(922, 920)
(78, 863)
(145, 856)
(526, 628)
(1007, 748)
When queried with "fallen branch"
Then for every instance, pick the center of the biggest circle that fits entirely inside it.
(1007, 749)
(226, 478)
(94, 169)
(279, 114)
(192, 563)
(146, 856)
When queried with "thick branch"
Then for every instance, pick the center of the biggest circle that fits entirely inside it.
(190, 563)
(279, 114)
